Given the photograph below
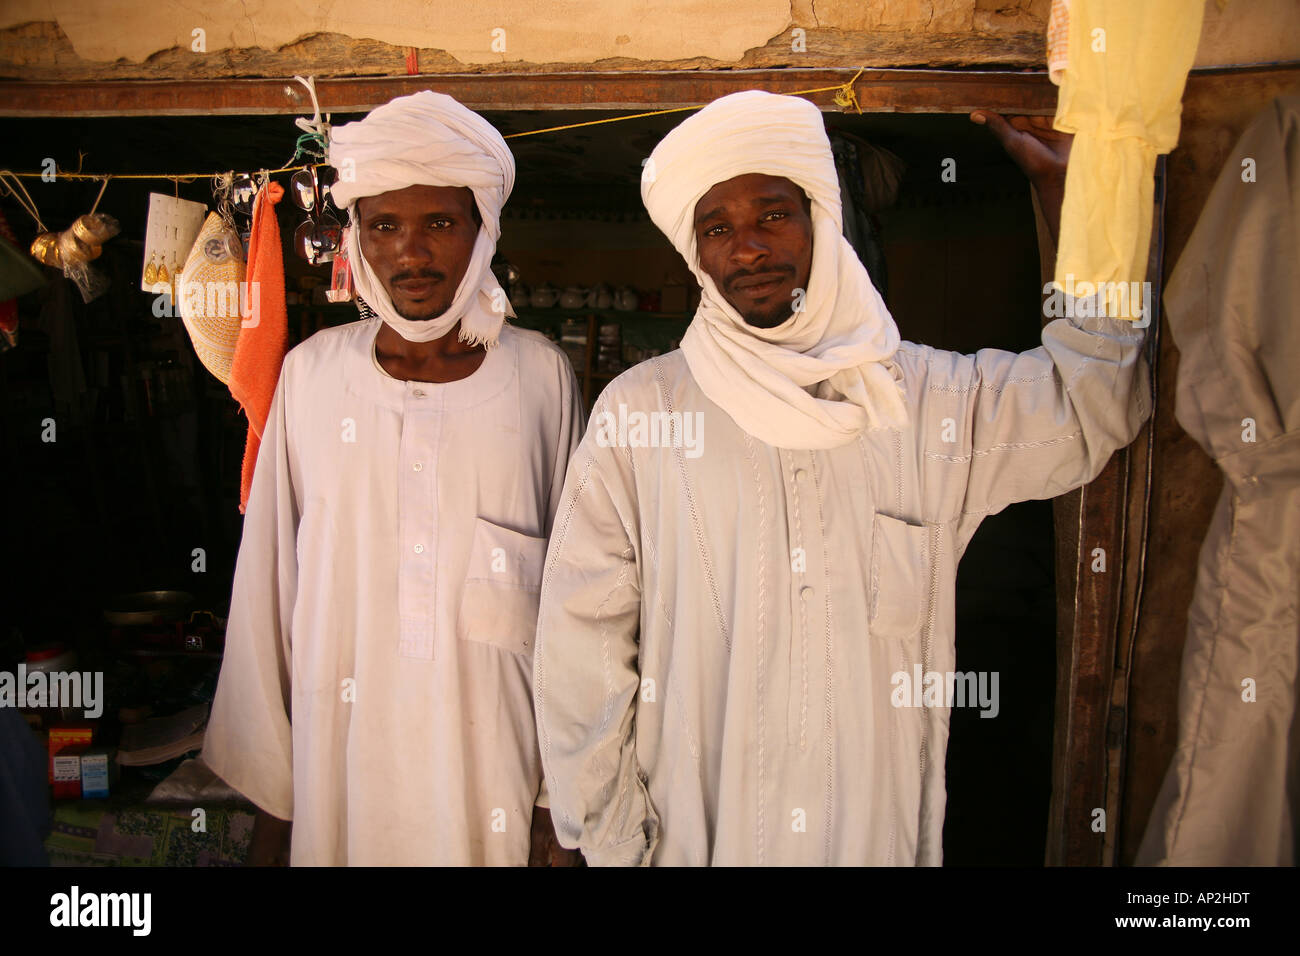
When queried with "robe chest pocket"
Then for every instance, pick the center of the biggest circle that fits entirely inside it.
(503, 582)
(898, 581)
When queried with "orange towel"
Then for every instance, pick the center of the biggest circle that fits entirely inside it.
(264, 337)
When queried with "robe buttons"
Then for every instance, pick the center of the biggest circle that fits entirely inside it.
(798, 474)
(419, 549)
(805, 592)
(417, 467)
(418, 393)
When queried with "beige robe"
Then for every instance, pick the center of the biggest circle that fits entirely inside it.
(721, 624)
(376, 685)
(1231, 795)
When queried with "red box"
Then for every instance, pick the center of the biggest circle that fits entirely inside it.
(79, 735)
(66, 768)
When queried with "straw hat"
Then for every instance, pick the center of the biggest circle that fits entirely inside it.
(210, 292)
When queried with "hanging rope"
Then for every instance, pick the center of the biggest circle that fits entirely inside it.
(100, 196)
(25, 200)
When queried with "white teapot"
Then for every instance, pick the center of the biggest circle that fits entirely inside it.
(625, 299)
(544, 296)
(600, 297)
(573, 297)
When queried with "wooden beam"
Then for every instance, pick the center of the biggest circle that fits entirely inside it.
(879, 91)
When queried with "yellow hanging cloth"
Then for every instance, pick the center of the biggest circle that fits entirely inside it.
(1121, 95)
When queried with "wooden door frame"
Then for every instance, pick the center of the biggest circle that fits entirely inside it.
(1097, 619)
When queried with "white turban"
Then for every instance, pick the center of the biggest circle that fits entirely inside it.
(822, 376)
(428, 139)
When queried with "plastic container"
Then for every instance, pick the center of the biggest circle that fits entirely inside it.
(48, 659)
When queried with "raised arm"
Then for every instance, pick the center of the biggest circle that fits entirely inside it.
(1042, 422)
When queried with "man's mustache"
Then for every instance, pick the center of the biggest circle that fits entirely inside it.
(428, 274)
(734, 277)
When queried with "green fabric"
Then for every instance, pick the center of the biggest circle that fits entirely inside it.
(86, 834)
(19, 273)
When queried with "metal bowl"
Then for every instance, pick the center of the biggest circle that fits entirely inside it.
(146, 607)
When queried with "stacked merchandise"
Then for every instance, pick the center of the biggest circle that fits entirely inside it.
(610, 348)
(573, 339)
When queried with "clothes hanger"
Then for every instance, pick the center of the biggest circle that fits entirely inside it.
(315, 126)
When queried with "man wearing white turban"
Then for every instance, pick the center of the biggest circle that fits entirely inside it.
(760, 532)
(376, 684)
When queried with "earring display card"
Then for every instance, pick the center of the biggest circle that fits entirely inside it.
(172, 228)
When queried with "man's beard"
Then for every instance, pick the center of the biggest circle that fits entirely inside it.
(421, 316)
(425, 311)
(770, 318)
(766, 317)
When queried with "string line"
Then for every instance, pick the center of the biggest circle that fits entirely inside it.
(846, 98)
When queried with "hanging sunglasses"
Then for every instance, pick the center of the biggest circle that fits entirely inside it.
(311, 188)
(320, 236)
(306, 189)
(318, 241)
(326, 175)
(243, 190)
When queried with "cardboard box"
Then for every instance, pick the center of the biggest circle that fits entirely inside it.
(66, 769)
(78, 735)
